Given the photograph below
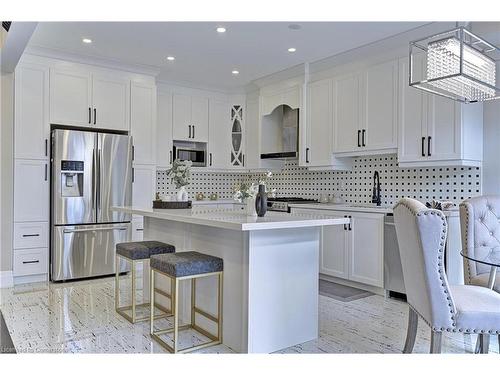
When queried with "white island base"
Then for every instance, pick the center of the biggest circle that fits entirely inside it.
(270, 297)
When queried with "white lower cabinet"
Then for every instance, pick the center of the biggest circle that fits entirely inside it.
(31, 262)
(31, 190)
(354, 251)
(31, 235)
(138, 229)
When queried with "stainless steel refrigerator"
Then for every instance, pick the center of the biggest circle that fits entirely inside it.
(90, 173)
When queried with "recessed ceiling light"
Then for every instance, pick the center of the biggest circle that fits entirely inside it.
(235, 72)
(87, 40)
(291, 49)
(221, 29)
(294, 26)
(170, 58)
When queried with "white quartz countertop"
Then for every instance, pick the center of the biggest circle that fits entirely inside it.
(236, 220)
(353, 207)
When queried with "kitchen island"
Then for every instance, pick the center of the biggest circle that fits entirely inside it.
(271, 269)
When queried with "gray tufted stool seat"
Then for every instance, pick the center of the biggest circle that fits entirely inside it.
(188, 265)
(132, 253)
(143, 249)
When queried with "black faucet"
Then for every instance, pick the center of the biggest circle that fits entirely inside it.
(376, 189)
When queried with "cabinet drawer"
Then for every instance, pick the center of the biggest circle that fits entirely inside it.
(137, 230)
(31, 261)
(31, 235)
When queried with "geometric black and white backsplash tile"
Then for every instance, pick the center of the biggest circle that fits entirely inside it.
(355, 186)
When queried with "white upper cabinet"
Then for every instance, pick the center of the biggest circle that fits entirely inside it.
(143, 122)
(190, 118)
(80, 98)
(319, 123)
(219, 141)
(436, 131)
(365, 110)
(31, 130)
(347, 119)
(111, 102)
(379, 88)
(164, 145)
(31, 190)
(70, 97)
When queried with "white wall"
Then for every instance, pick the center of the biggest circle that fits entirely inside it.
(491, 148)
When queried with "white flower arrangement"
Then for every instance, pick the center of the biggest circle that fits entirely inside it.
(243, 190)
(180, 173)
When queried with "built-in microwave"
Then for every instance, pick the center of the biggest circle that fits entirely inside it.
(194, 151)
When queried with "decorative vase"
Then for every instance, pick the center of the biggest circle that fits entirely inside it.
(251, 207)
(261, 201)
(182, 194)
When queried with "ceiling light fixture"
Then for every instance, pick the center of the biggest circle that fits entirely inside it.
(294, 26)
(235, 72)
(291, 49)
(221, 29)
(170, 58)
(87, 40)
(455, 64)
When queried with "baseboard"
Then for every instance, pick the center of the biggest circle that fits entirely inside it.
(353, 284)
(6, 279)
(31, 279)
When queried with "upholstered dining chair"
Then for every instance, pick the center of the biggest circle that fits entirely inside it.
(466, 309)
(480, 227)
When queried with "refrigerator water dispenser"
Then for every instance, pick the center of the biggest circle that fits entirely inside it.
(71, 178)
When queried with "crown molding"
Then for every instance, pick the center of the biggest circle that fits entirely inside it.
(92, 60)
(192, 85)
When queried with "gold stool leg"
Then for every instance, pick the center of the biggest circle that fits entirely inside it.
(133, 292)
(219, 309)
(176, 314)
(193, 301)
(117, 283)
(151, 298)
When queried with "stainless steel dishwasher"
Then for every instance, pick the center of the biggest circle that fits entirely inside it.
(393, 272)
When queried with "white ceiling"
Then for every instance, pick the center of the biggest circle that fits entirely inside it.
(206, 58)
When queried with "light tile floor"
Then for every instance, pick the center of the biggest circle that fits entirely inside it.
(80, 317)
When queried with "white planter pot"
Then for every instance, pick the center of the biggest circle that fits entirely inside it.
(251, 211)
(182, 194)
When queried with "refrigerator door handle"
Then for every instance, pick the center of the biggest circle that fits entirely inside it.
(93, 178)
(93, 229)
(98, 179)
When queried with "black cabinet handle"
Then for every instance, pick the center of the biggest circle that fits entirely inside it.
(350, 226)
(363, 137)
(46, 146)
(95, 116)
(423, 146)
(170, 156)
(31, 235)
(243, 159)
(210, 159)
(189, 131)
(133, 174)
(345, 225)
(429, 146)
(307, 155)
(133, 152)
(139, 230)
(193, 131)
(31, 261)
(90, 115)
(45, 171)
(359, 138)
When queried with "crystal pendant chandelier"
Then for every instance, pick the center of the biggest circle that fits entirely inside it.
(456, 64)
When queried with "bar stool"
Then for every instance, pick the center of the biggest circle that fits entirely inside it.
(133, 253)
(189, 265)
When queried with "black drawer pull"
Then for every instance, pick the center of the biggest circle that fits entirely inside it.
(139, 230)
(30, 261)
(363, 137)
(423, 146)
(95, 116)
(31, 235)
(359, 139)
(429, 146)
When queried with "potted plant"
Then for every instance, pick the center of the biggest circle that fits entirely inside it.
(180, 175)
(246, 193)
